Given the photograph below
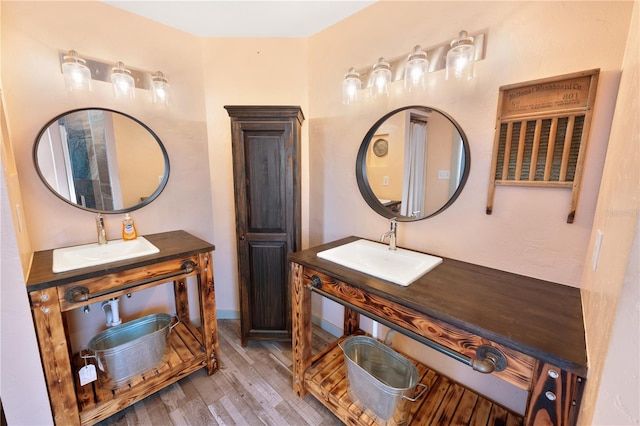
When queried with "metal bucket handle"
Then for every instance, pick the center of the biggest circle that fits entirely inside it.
(414, 399)
(86, 349)
(340, 344)
(177, 322)
(94, 356)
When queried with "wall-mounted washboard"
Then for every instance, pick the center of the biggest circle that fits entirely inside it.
(542, 129)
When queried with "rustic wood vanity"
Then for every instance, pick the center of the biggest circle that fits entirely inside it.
(537, 325)
(189, 348)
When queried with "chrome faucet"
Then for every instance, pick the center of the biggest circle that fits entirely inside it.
(102, 233)
(391, 233)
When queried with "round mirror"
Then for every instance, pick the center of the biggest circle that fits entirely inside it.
(101, 160)
(413, 163)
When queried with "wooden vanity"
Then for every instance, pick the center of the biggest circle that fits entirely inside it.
(537, 325)
(189, 348)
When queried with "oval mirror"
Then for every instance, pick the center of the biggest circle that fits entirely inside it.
(413, 163)
(101, 160)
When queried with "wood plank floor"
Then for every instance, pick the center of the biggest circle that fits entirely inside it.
(252, 387)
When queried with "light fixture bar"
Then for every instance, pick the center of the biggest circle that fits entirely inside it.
(101, 71)
(436, 55)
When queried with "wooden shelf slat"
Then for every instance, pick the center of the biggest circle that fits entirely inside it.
(445, 402)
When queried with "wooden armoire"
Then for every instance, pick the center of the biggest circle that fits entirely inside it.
(266, 174)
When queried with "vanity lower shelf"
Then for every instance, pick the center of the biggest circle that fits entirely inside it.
(445, 402)
(185, 354)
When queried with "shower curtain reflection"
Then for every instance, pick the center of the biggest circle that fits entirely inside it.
(415, 169)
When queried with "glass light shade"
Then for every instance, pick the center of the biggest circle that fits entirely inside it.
(380, 78)
(123, 83)
(415, 69)
(160, 89)
(461, 58)
(350, 87)
(77, 75)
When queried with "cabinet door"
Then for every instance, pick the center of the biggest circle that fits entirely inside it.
(266, 185)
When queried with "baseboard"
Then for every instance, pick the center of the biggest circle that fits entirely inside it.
(222, 314)
(327, 326)
(323, 324)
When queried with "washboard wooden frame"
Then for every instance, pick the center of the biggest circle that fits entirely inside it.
(542, 130)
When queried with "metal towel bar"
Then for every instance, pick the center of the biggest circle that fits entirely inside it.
(79, 294)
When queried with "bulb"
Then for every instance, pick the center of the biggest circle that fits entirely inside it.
(123, 83)
(415, 69)
(160, 90)
(381, 76)
(350, 87)
(77, 75)
(460, 58)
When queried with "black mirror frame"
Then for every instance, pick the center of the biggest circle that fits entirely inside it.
(148, 200)
(361, 170)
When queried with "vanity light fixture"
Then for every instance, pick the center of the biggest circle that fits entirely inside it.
(160, 89)
(460, 58)
(77, 75)
(79, 72)
(457, 57)
(415, 69)
(350, 86)
(380, 78)
(123, 83)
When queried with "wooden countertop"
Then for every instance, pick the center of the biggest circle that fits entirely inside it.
(538, 318)
(172, 245)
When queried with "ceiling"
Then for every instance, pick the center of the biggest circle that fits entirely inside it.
(245, 18)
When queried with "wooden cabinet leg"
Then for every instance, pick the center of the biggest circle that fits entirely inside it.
(182, 299)
(208, 312)
(54, 352)
(554, 397)
(301, 328)
(351, 321)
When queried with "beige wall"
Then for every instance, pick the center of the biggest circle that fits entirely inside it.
(527, 232)
(610, 292)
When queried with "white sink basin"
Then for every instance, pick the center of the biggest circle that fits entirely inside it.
(70, 258)
(399, 266)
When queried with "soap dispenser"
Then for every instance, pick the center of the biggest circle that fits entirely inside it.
(128, 228)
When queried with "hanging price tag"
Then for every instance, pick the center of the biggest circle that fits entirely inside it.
(87, 374)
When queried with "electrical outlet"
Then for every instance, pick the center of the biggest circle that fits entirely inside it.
(443, 174)
(596, 249)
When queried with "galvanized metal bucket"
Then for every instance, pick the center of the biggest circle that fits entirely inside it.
(131, 348)
(380, 379)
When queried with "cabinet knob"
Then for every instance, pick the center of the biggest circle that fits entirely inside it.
(242, 237)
